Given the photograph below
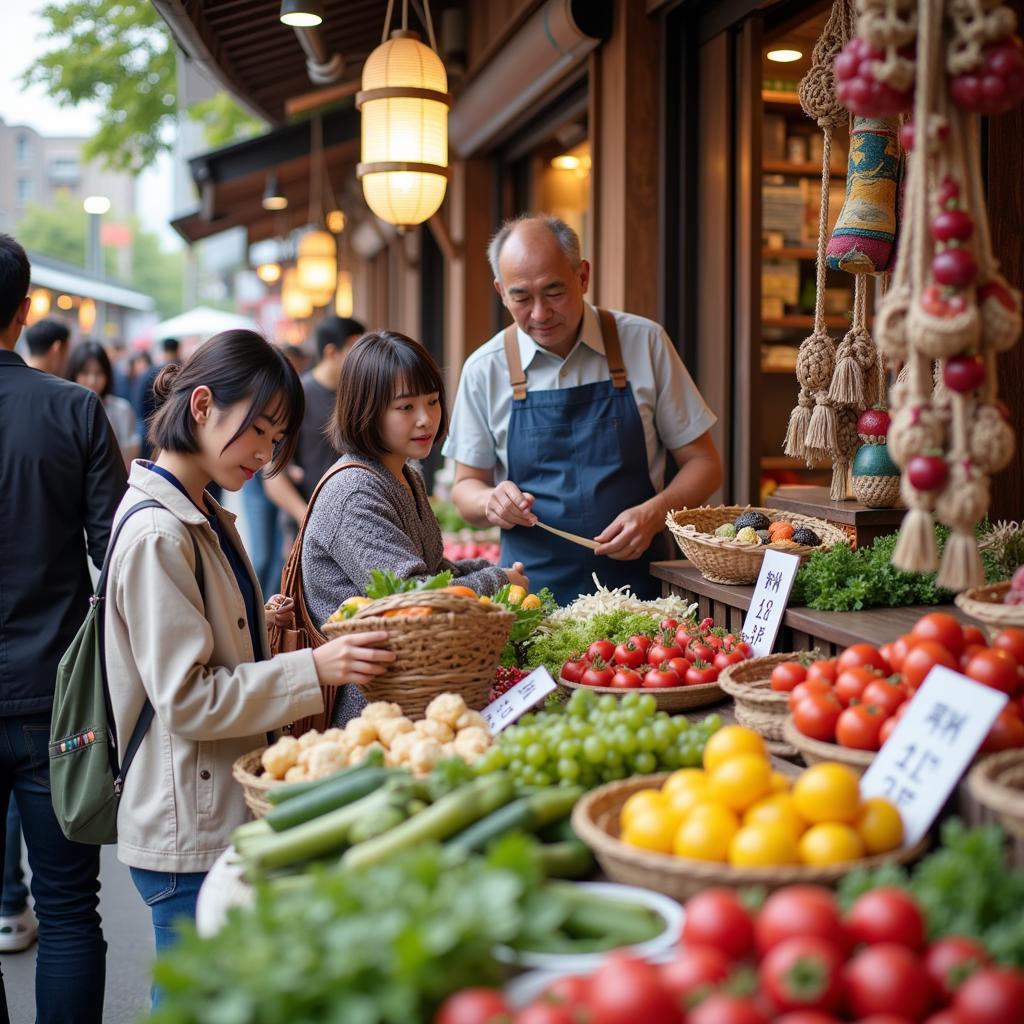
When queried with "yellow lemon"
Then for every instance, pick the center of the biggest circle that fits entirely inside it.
(757, 846)
(740, 781)
(828, 792)
(706, 833)
(640, 801)
(780, 782)
(729, 742)
(685, 778)
(651, 829)
(880, 825)
(776, 809)
(830, 843)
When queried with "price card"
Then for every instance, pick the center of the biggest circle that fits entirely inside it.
(930, 748)
(764, 616)
(516, 702)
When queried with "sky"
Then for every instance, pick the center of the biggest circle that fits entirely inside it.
(20, 42)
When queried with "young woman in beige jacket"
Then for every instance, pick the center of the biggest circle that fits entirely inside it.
(200, 658)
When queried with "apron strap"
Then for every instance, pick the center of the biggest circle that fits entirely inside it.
(515, 365)
(612, 349)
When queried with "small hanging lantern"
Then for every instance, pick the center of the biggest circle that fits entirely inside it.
(343, 300)
(40, 304)
(269, 273)
(87, 315)
(317, 266)
(295, 302)
(404, 102)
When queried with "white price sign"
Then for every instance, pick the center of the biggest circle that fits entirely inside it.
(767, 606)
(517, 701)
(931, 747)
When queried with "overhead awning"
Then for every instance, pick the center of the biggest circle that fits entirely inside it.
(71, 280)
(231, 180)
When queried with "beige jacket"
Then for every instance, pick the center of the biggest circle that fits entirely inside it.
(192, 656)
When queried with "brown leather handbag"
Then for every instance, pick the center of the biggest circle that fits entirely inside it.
(305, 632)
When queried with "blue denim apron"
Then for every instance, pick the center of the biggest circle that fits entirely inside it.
(581, 452)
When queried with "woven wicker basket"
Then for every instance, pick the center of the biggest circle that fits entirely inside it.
(727, 561)
(668, 698)
(596, 821)
(248, 773)
(986, 605)
(814, 751)
(456, 648)
(997, 782)
(758, 706)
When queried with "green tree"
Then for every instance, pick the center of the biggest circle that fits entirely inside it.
(120, 55)
(158, 272)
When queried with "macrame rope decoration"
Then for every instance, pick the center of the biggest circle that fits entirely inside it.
(948, 303)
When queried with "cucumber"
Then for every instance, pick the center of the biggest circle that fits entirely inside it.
(595, 922)
(343, 790)
(280, 794)
(527, 814)
(570, 858)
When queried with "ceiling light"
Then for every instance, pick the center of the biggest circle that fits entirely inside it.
(335, 222)
(96, 204)
(343, 299)
(269, 273)
(566, 162)
(64, 302)
(302, 13)
(273, 197)
(784, 56)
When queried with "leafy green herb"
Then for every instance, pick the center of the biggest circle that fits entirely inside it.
(527, 621)
(385, 583)
(554, 647)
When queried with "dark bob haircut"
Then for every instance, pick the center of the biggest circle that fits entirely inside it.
(15, 277)
(90, 351)
(379, 367)
(236, 366)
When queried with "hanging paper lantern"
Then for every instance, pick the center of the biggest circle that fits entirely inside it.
(404, 156)
(87, 315)
(343, 300)
(40, 304)
(294, 301)
(317, 266)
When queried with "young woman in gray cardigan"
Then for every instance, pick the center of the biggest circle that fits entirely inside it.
(375, 514)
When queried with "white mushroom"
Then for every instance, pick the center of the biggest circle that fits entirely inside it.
(435, 730)
(446, 707)
(280, 756)
(471, 743)
(389, 728)
(471, 720)
(380, 709)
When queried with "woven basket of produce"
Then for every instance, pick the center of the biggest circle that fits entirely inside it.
(758, 706)
(595, 819)
(997, 782)
(667, 698)
(249, 774)
(727, 542)
(443, 642)
(815, 751)
(987, 604)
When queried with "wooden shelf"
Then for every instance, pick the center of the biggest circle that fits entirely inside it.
(806, 169)
(779, 369)
(778, 98)
(799, 321)
(789, 253)
(785, 462)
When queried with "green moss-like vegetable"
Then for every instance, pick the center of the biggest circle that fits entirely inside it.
(553, 648)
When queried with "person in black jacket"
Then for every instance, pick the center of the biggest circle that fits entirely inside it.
(61, 478)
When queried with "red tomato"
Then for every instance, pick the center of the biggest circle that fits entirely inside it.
(683, 636)
(626, 679)
(799, 910)
(951, 960)
(992, 996)
(720, 1008)
(886, 1018)
(803, 973)
(898, 650)
(571, 991)
(660, 678)
(786, 675)
(885, 695)
(816, 716)
(700, 675)
(658, 653)
(745, 649)
(826, 670)
(546, 1013)
(886, 915)
(859, 727)
(886, 731)
(597, 674)
(1011, 640)
(806, 1017)
(714, 641)
(969, 652)
(706, 624)
(624, 990)
(947, 1016)
(717, 918)
(672, 624)
(808, 688)
(574, 668)
(922, 658)
(863, 655)
(973, 635)
(700, 651)
(723, 659)
(603, 649)
(641, 641)
(474, 1006)
(941, 628)
(888, 979)
(629, 655)
(1007, 732)
(694, 972)
(679, 666)
(996, 668)
(850, 683)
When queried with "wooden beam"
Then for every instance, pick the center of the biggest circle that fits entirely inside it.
(321, 97)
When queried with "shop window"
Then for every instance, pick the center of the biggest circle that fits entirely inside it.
(23, 150)
(24, 191)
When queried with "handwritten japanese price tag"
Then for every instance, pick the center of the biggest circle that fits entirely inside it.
(930, 748)
(767, 606)
(517, 701)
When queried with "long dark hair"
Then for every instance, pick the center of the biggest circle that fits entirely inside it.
(235, 366)
(83, 353)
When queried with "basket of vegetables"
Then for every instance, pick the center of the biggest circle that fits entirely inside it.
(727, 543)
(816, 751)
(998, 605)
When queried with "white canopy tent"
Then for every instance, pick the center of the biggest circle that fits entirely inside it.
(201, 322)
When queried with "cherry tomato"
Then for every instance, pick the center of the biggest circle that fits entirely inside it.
(626, 679)
(851, 682)
(603, 649)
(887, 915)
(884, 694)
(672, 624)
(826, 671)
(706, 624)
(717, 918)
(624, 990)
(786, 675)
(571, 991)
(922, 658)
(641, 641)
(898, 650)
(723, 659)
(715, 642)
(816, 716)
(700, 675)
(1007, 732)
(720, 1008)
(996, 668)
(598, 674)
(808, 688)
(803, 973)
(629, 655)
(683, 636)
(660, 678)
(991, 996)
(546, 1013)
(1011, 640)
(886, 731)
(474, 1006)
(941, 628)
(859, 726)
(694, 972)
(863, 655)
(807, 1017)
(951, 960)
(574, 668)
(973, 635)
(799, 910)
(969, 652)
(658, 653)
(700, 651)
(887, 978)
(745, 649)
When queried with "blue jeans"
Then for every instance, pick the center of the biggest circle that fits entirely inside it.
(171, 898)
(71, 957)
(15, 896)
(264, 536)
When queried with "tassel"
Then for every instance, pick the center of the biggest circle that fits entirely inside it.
(821, 431)
(915, 549)
(796, 433)
(840, 481)
(961, 563)
(847, 386)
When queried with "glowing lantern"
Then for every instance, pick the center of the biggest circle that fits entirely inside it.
(317, 266)
(294, 301)
(343, 300)
(40, 304)
(87, 315)
(269, 273)
(404, 155)
(65, 302)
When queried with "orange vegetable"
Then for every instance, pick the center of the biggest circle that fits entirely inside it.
(461, 591)
(780, 531)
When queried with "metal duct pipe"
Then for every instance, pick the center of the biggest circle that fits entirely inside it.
(552, 41)
(322, 68)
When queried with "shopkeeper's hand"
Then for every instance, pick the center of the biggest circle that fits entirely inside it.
(507, 506)
(517, 575)
(354, 658)
(280, 611)
(629, 534)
